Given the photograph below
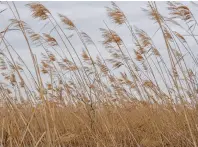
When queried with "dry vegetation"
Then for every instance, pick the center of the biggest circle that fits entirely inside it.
(87, 101)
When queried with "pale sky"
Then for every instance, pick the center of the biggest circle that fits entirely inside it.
(88, 17)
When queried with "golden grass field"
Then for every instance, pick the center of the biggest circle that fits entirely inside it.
(137, 97)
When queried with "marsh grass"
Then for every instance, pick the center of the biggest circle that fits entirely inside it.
(135, 97)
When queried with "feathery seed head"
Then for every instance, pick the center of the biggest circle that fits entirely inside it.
(67, 22)
(110, 36)
(52, 41)
(39, 11)
(116, 14)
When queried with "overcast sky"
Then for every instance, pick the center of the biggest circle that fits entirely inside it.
(88, 17)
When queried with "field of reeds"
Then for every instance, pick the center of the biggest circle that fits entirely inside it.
(140, 96)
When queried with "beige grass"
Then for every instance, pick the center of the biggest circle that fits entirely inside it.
(137, 97)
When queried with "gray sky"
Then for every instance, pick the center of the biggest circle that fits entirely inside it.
(88, 17)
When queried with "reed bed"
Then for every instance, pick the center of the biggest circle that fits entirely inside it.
(137, 97)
